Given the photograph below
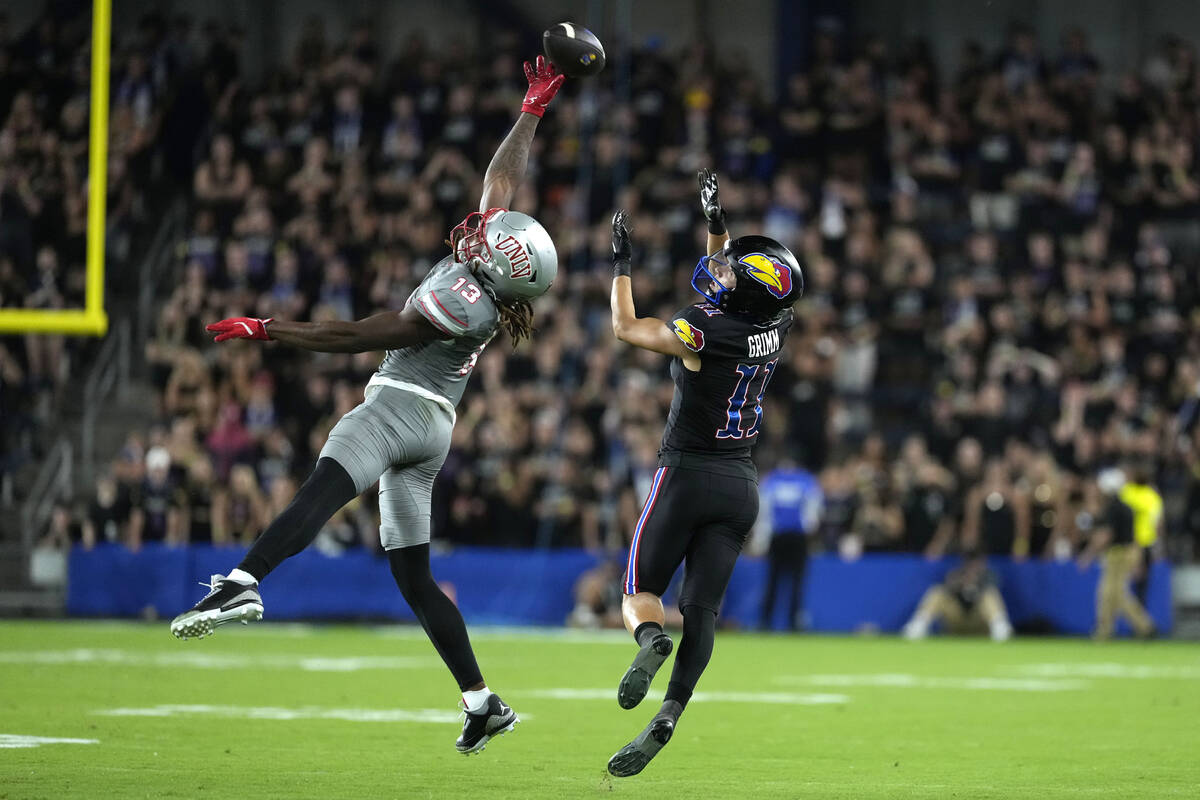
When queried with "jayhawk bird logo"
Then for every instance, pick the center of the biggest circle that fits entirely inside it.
(691, 336)
(776, 277)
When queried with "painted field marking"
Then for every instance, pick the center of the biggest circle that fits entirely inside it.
(1110, 670)
(505, 632)
(15, 741)
(202, 660)
(786, 698)
(905, 681)
(422, 715)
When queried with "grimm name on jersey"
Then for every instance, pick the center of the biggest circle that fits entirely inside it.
(763, 344)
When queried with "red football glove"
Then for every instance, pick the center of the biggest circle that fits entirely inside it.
(543, 83)
(240, 328)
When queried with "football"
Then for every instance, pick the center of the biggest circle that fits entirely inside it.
(573, 49)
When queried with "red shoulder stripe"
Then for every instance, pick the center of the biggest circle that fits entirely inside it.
(429, 316)
(443, 308)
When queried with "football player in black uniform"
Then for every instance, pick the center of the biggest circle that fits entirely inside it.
(704, 497)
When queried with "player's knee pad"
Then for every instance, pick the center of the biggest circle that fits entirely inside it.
(403, 532)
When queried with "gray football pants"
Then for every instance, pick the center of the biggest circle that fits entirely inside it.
(400, 439)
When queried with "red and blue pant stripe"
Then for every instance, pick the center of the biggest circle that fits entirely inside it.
(631, 572)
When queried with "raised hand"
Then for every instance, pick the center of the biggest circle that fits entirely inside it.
(622, 245)
(543, 84)
(710, 200)
(240, 328)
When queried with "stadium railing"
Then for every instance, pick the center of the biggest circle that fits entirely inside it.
(156, 268)
(53, 481)
(110, 371)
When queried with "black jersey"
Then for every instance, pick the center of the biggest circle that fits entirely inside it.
(716, 413)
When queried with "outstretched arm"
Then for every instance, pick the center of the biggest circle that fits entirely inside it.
(386, 331)
(507, 168)
(648, 333)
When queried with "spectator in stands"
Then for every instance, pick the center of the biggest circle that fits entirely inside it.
(1048, 490)
(155, 513)
(996, 518)
(63, 530)
(107, 514)
(229, 441)
(927, 506)
(222, 182)
(967, 600)
(241, 510)
(839, 507)
(198, 500)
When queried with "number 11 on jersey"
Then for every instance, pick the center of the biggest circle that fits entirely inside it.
(747, 375)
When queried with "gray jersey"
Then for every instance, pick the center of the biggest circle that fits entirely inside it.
(451, 299)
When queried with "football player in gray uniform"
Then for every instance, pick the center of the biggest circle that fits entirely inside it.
(400, 434)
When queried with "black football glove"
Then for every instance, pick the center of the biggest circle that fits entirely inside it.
(622, 245)
(710, 202)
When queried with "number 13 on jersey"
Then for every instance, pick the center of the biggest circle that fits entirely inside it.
(469, 291)
(748, 375)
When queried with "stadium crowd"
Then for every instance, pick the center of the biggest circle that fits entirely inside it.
(45, 80)
(997, 298)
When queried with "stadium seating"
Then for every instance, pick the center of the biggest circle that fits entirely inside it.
(998, 264)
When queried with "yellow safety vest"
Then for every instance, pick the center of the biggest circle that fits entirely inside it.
(1147, 508)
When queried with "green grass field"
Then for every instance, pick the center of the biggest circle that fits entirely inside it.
(355, 712)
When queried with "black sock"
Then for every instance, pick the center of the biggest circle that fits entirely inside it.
(327, 489)
(695, 648)
(645, 632)
(670, 708)
(440, 618)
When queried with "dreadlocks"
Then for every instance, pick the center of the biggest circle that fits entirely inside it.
(516, 317)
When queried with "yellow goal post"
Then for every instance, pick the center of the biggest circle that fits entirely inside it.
(91, 320)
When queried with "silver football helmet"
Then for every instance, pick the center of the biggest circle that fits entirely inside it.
(510, 252)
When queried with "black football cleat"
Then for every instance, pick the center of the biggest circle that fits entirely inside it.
(226, 601)
(633, 757)
(496, 719)
(636, 681)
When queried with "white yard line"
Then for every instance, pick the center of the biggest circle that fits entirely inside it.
(423, 715)
(208, 660)
(531, 634)
(785, 698)
(1109, 670)
(905, 681)
(14, 741)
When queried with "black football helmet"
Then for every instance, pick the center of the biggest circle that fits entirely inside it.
(769, 279)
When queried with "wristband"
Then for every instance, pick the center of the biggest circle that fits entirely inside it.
(717, 226)
(533, 108)
(622, 266)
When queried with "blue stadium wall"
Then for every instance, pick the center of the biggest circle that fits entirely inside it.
(516, 587)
